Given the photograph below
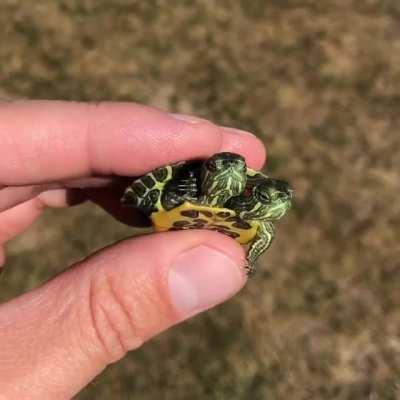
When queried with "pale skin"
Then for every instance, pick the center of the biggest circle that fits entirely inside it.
(55, 339)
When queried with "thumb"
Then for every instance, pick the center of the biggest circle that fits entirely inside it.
(57, 338)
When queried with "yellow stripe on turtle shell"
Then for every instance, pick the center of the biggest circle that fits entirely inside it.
(195, 216)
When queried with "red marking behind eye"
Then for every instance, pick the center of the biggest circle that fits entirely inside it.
(248, 191)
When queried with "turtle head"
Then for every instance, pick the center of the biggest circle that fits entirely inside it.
(223, 176)
(264, 199)
(274, 197)
(221, 162)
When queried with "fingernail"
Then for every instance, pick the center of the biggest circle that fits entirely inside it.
(188, 118)
(201, 278)
(235, 131)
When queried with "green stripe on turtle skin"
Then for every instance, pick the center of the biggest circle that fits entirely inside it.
(264, 237)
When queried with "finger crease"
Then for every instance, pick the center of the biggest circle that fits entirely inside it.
(94, 317)
(88, 140)
(120, 304)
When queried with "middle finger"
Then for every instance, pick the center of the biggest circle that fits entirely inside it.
(11, 196)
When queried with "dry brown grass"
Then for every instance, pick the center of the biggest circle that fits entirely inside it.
(319, 82)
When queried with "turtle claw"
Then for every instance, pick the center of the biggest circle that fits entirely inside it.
(250, 269)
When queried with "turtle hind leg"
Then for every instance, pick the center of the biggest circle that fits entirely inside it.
(262, 241)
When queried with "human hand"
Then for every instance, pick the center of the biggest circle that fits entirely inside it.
(55, 339)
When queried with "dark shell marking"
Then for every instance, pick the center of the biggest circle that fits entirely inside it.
(160, 174)
(181, 223)
(148, 181)
(225, 231)
(242, 225)
(223, 214)
(195, 222)
(200, 221)
(190, 213)
(139, 188)
(208, 214)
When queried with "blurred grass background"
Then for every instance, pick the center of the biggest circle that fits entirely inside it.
(319, 83)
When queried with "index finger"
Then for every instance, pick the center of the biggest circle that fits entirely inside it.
(47, 141)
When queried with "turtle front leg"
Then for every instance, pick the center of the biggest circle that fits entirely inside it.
(262, 241)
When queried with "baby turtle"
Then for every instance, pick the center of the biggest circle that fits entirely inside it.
(219, 194)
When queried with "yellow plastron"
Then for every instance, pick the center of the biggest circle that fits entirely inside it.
(192, 216)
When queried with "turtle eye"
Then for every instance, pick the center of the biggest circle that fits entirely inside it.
(263, 197)
(211, 166)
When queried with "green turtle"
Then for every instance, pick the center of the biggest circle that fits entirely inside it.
(220, 194)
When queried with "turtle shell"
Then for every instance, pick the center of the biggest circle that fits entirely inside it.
(195, 216)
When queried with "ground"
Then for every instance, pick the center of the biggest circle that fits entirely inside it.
(319, 83)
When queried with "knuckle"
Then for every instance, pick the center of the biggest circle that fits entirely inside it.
(205, 125)
(206, 132)
(111, 318)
